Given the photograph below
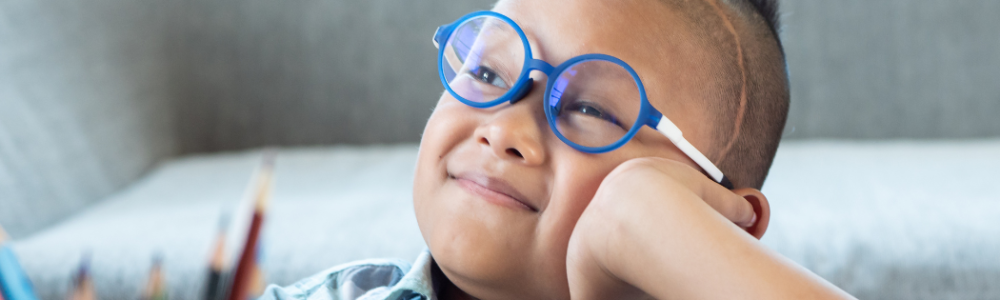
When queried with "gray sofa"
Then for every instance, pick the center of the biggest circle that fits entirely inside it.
(128, 127)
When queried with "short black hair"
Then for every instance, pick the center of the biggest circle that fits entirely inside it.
(768, 10)
(748, 88)
(750, 146)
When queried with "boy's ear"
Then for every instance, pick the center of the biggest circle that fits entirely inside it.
(760, 207)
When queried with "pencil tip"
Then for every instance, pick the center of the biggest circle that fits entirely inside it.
(266, 172)
(223, 222)
(3, 235)
(268, 157)
(84, 270)
(217, 260)
(85, 259)
(157, 258)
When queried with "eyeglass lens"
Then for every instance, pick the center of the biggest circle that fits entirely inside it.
(483, 59)
(593, 103)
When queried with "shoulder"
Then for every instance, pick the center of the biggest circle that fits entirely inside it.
(365, 279)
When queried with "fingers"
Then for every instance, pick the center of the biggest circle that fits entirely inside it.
(761, 208)
(729, 204)
(732, 206)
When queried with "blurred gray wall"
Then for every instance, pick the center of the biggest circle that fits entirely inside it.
(93, 93)
(893, 68)
(86, 103)
(299, 72)
(257, 72)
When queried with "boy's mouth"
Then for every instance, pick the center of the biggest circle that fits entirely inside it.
(494, 190)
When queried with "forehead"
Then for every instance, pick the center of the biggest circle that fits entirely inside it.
(594, 24)
(653, 38)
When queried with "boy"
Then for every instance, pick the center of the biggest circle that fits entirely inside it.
(537, 181)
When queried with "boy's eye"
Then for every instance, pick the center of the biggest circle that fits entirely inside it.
(592, 110)
(488, 76)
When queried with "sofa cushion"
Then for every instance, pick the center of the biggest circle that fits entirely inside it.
(891, 220)
(330, 205)
(898, 220)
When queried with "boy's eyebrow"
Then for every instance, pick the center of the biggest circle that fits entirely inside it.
(608, 71)
(532, 42)
(494, 24)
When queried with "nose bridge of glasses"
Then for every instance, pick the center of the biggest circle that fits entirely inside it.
(541, 66)
(525, 88)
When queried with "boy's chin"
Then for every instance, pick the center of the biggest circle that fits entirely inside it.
(472, 247)
(491, 262)
(486, 250)
(487, 275)
(479, 256)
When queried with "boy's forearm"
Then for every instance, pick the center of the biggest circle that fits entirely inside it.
(680, 248)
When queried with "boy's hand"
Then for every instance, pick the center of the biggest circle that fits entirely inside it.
(659, 228)
(629, 197)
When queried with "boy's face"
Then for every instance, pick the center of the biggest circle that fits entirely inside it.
(497, 194)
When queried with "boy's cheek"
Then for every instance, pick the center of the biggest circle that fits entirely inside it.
(449, 123)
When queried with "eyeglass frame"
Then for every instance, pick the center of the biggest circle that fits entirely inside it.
(648, 115)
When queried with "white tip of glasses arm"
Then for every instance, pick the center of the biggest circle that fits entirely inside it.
(673, 133)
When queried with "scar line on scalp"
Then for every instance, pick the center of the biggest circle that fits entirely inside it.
(743, 86)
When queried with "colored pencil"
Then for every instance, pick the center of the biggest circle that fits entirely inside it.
(155, 286)
(216, 264)
(83, 286)
(14, 284)
(3, 238)
(257, 280)
(239, 289)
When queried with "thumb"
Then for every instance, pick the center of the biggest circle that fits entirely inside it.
(761, 211)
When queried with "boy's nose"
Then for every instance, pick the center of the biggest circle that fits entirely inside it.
(515, 131)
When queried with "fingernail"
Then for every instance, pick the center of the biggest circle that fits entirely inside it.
(753, 221)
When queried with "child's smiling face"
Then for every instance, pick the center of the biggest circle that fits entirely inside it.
(497, 194)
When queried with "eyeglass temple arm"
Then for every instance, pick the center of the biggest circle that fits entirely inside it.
(667, 128)
(438, 36)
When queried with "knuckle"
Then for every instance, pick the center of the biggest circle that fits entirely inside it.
(740, 210)
(633, 174)
(656, 169)
(733, 209)
(638, 165)
(649, 162)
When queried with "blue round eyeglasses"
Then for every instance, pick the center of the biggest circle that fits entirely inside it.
(594, 103)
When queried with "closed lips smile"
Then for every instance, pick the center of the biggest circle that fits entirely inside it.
(493, 190)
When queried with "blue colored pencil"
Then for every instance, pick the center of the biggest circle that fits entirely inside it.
(14, 284)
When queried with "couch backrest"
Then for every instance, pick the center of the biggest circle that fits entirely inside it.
(92, 94)
(865, 69)
(84, 104)
(309, 71)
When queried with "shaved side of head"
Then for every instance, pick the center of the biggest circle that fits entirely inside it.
(750, 84)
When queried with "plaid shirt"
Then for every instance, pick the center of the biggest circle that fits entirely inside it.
(373, 279)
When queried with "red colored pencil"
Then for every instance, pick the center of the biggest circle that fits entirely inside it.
(243, 274)
(244, 270)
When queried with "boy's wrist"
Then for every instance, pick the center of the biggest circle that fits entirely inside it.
(608, 237)
(593, 257)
